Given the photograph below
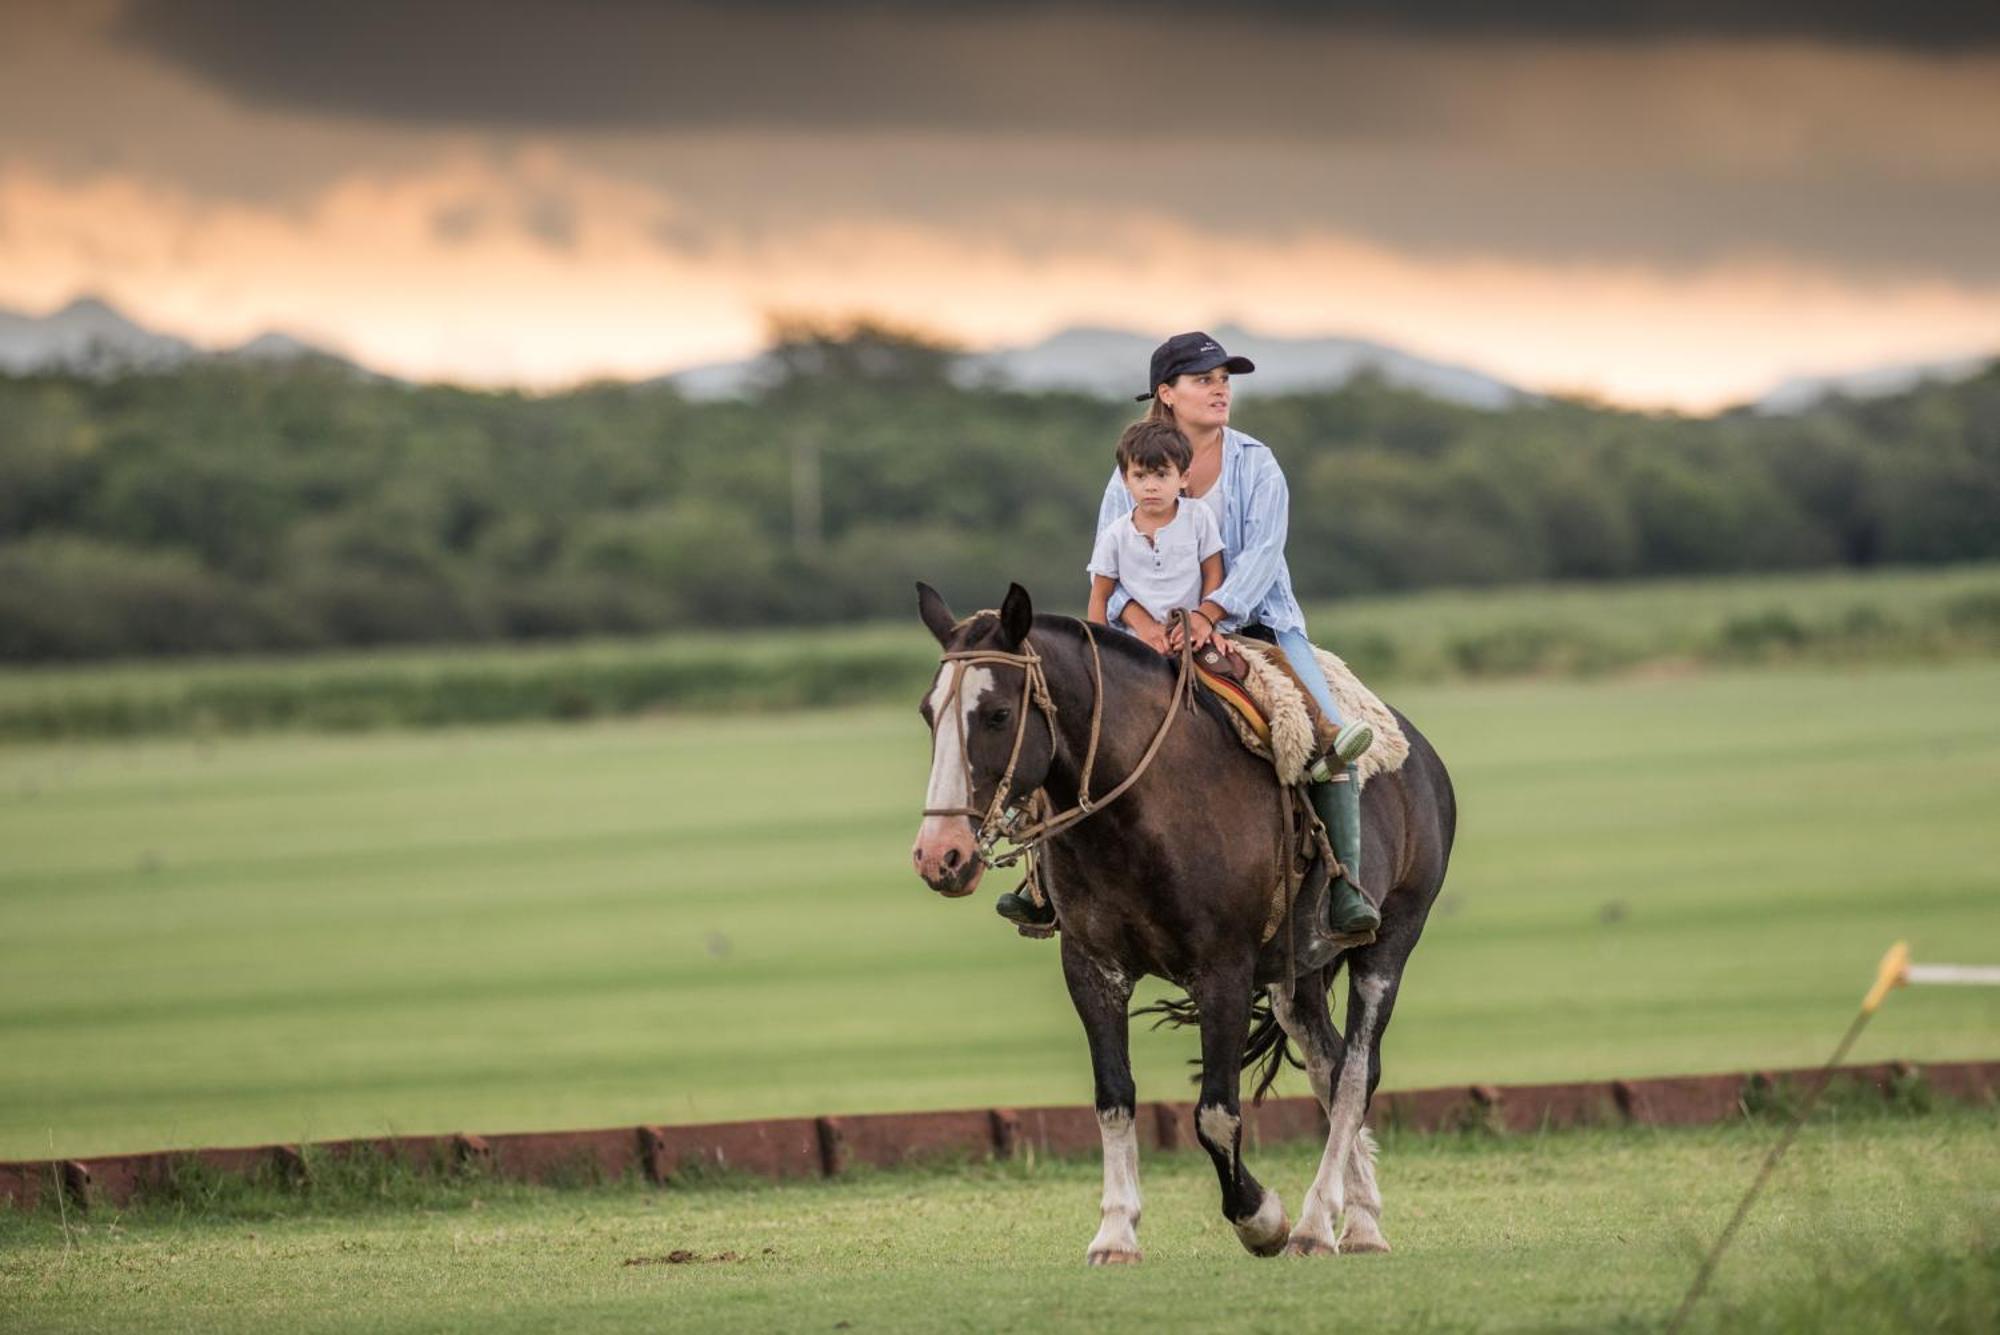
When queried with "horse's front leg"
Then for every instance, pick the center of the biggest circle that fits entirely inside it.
(1101, 995)
(1256, 1213)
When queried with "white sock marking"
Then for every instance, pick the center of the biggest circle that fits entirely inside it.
(1118, 1211)
(1218, 1125)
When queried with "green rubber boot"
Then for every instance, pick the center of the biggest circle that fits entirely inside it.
(1021, 910)
(1019, 906)
(1349, 914)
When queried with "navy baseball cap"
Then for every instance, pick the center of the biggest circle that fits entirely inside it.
(1191, 354)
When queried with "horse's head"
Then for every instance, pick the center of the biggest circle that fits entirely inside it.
(984, 716)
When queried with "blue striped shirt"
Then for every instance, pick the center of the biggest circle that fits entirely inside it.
(1256, 512)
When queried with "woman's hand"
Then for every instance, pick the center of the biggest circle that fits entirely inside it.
(1203, 620)
(1140, 622)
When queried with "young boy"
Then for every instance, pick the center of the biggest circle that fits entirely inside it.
(1168, 552)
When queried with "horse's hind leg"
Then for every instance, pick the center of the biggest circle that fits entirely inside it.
(1255, 1211)
(1374, 976)
(1306, 1019)
(1101, 997)
(1364, 1199)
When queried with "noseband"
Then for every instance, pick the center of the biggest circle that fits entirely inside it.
(995, 823)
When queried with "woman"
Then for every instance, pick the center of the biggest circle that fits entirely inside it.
(1239, 479)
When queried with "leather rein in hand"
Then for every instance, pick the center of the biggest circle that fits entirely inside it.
(995, 823)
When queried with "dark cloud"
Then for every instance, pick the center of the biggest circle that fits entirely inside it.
(1545, 133)
(456, 224)
(550, 218)
(682, 236)
(1116, 66)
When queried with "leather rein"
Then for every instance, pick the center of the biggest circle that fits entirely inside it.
(996, 822)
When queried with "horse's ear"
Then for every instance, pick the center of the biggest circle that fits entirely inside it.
(1017, 615)
(931, 607)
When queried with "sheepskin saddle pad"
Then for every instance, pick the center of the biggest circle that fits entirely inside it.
(1276, 718)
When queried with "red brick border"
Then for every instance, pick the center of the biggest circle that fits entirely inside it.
(807, 1147)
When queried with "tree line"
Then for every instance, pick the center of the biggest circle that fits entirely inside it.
(241, 507)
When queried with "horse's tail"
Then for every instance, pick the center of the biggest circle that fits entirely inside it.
(1268, 1043)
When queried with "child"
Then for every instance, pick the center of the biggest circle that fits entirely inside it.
(1168, 553)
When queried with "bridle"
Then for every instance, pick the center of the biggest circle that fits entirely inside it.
(996, 821)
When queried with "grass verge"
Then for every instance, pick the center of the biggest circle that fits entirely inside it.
(1897, 616)
(1877, 1221)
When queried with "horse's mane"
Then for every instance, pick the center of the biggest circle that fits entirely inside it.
(1117, 644)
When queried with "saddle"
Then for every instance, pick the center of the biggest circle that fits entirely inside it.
(1275, 716)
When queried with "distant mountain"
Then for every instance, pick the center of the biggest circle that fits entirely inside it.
(1800, 393)
(86, 335)
(1112, 362)
(93, 337)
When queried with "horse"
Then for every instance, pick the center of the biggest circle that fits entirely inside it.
(1176, 881)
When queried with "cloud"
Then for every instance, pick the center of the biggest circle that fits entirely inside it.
(360, 267)
(1437, 130)
(551, 217)
(872, 63)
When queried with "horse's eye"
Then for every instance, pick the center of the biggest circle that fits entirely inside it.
(999, 718)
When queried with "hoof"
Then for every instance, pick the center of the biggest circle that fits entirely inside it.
(1264, 1233)
(1352, 1244)
(1271, 1248)
(1305, 1246)
(1113, 1257)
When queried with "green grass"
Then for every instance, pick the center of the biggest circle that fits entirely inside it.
(1875, 1222)
(1916, 615)
(537, 927)
(1838, 616)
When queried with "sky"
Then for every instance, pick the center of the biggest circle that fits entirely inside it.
(1663, 206)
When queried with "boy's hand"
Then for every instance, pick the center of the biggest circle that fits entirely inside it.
(1140, 622)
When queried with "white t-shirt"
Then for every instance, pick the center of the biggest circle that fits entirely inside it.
(1214, 501)
(1162, 572)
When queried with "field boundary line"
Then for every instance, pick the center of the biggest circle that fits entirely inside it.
(822, 1147)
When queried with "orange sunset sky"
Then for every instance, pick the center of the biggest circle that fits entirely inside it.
(1660, 210)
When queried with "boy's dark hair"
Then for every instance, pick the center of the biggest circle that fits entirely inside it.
(1152, 446)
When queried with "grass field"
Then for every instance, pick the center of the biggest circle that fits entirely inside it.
(1881, 616)
(1876, 1222)
(679, 920)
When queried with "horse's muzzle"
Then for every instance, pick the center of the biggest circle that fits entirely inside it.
(947, 857)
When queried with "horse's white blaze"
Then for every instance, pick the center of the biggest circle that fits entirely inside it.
(1118, 1231)
(1327, 1196)
(948, 775)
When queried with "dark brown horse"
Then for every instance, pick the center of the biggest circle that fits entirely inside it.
(1175, 878)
